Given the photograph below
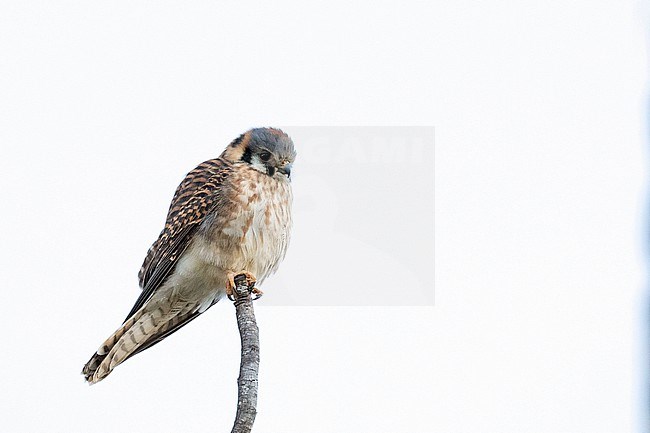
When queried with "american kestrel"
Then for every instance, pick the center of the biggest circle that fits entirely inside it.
(230, 215)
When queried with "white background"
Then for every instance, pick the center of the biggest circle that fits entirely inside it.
(540, 307)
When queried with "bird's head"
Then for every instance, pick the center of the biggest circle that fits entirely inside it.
(267, 150)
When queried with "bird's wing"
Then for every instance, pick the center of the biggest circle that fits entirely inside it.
(195, 197)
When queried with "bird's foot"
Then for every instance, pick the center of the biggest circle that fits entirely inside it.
(250, 282)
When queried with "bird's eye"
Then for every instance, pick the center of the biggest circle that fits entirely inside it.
(265, 156)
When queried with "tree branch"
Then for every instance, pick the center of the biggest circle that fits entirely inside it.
(250, 357)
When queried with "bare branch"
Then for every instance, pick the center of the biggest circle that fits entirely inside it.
(250, 357)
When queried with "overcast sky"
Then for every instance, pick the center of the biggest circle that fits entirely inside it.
(528, 116)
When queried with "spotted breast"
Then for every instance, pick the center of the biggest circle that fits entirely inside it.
(252, 230)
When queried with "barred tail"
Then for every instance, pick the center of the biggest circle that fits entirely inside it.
(126, 340)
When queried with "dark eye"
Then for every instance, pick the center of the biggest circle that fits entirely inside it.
(265, 156)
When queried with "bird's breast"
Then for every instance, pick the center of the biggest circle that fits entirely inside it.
(251, 229)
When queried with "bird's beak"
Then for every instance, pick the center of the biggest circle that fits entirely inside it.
(286, 169)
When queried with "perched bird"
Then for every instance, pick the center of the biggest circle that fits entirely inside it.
(230, 215)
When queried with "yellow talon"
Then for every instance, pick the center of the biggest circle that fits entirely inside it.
(250, 282)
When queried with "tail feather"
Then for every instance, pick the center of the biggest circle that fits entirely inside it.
(95, 360)
(140, 328)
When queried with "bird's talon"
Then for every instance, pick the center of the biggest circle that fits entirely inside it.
(231, 285)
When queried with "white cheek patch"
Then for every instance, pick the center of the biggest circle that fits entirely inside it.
(257, 164)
